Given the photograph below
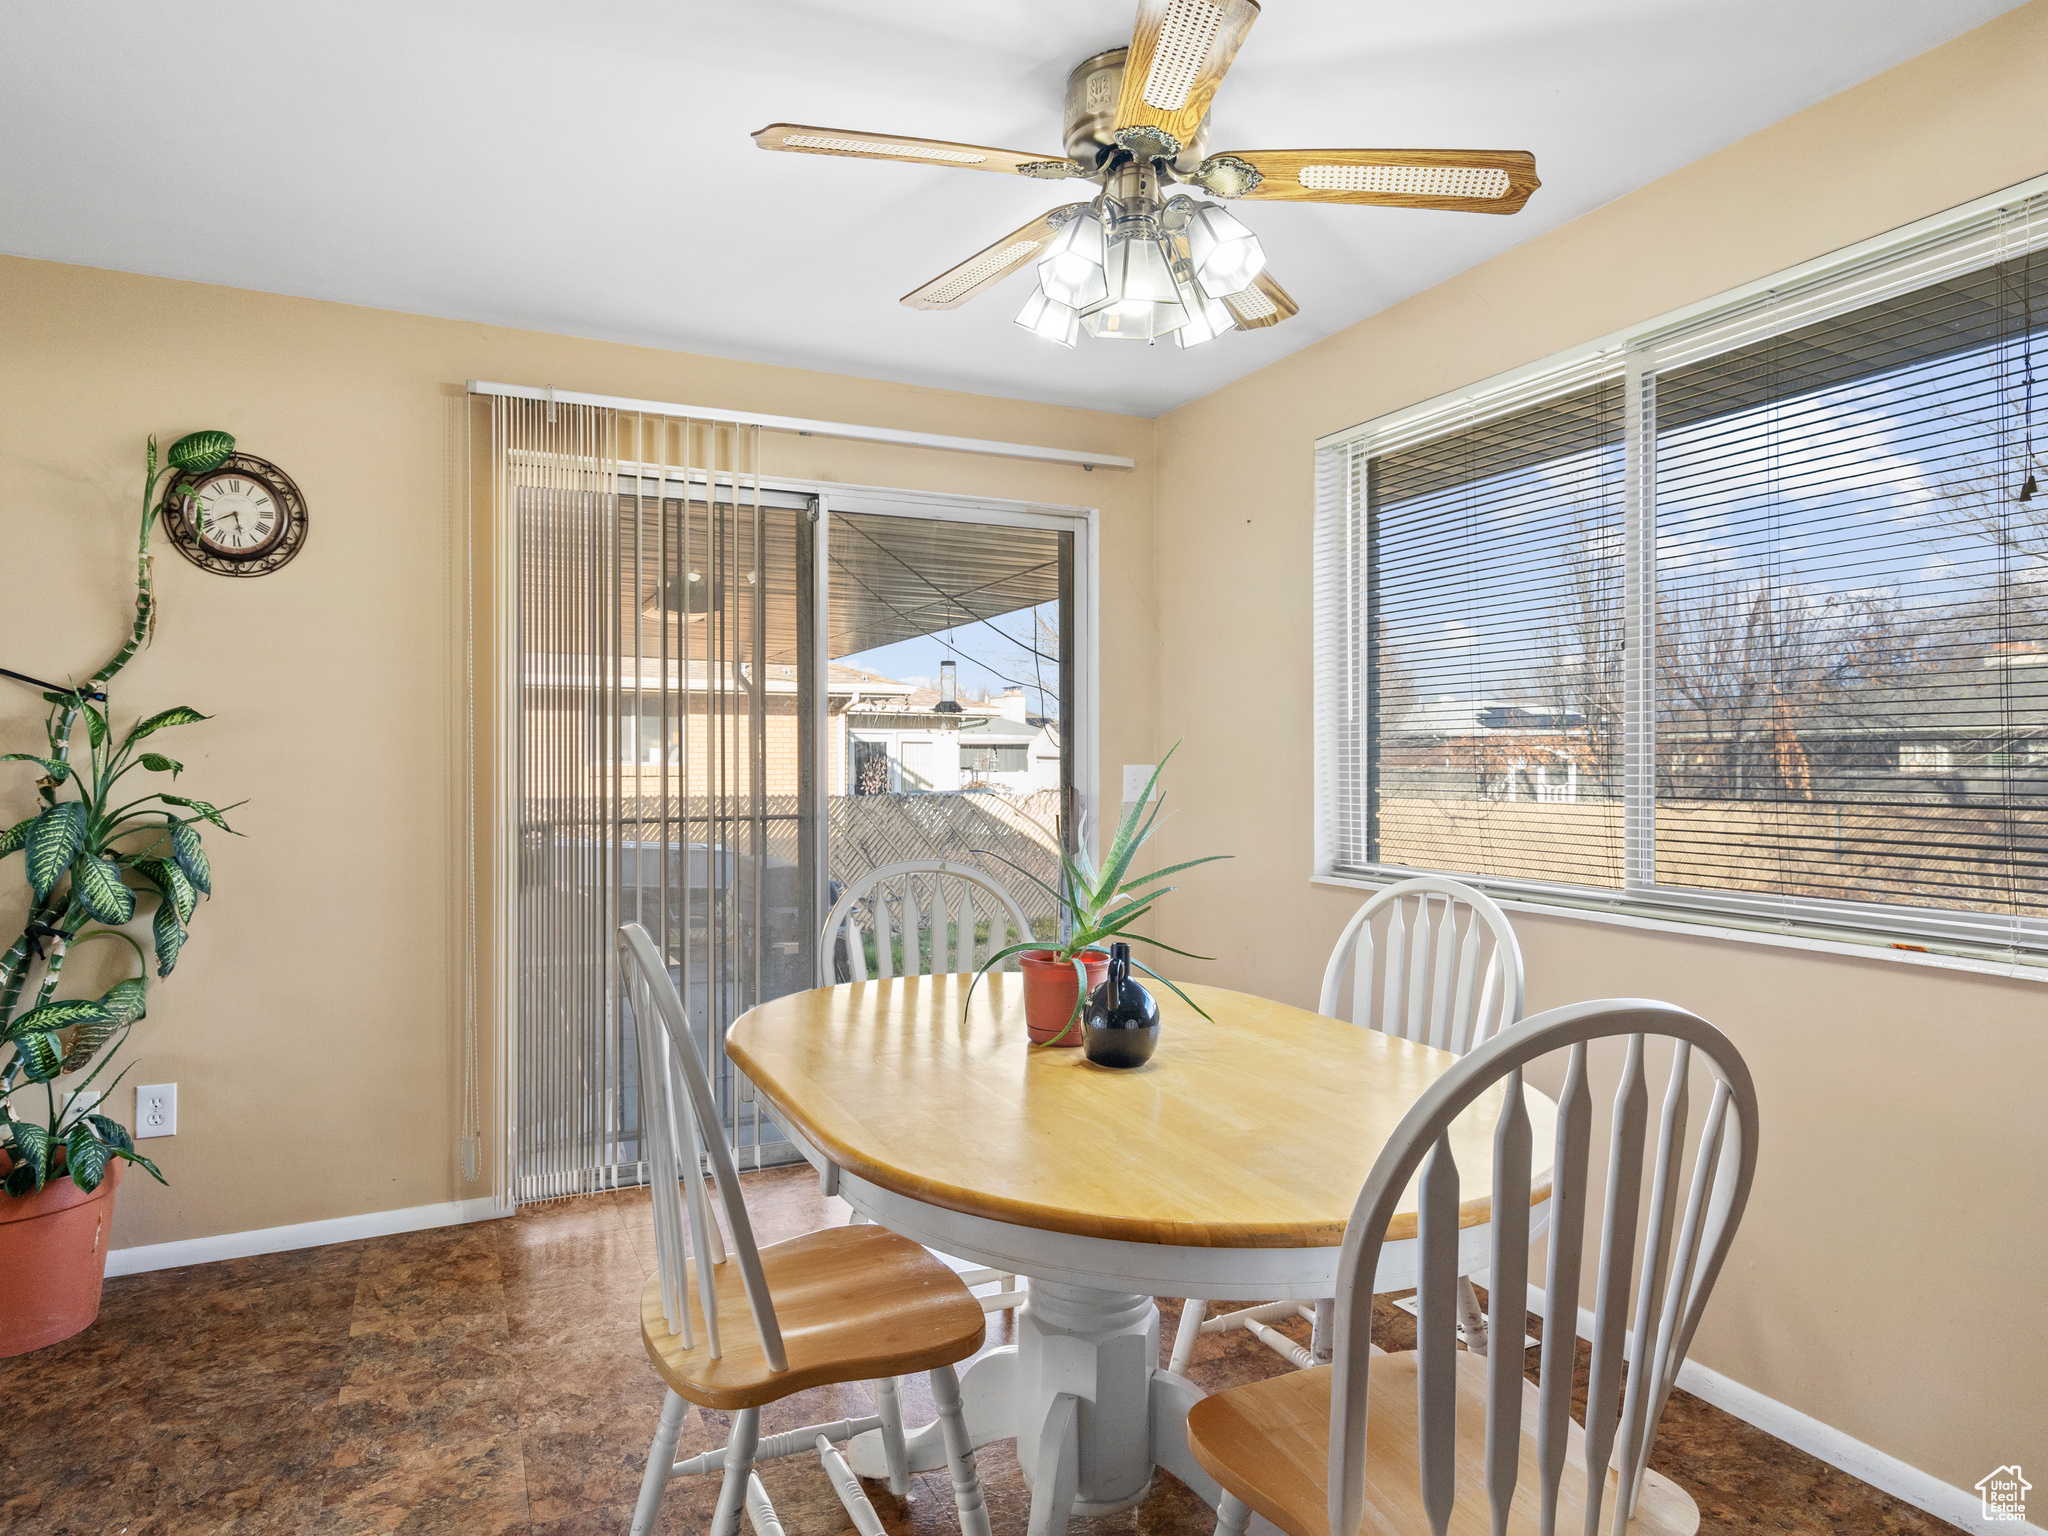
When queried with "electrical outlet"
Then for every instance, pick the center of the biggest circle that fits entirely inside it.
(156, 1110)
(1135, 777)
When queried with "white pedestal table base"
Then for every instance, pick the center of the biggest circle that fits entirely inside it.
(1082, 1394)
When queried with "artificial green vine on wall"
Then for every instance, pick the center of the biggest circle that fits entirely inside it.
(88, 856)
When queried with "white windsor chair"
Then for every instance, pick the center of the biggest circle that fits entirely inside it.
(909, 900)
(838, 1305)
(1430, 960)
(1406, 1432)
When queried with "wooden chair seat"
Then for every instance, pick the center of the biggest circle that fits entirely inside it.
(1269, 1444)
(855, 1304)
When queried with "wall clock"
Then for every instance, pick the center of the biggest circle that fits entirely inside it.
(242, 518)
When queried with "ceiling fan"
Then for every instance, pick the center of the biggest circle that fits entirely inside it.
(1140, 261)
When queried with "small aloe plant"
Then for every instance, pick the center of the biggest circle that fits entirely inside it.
(1098, 904)
(89, 853)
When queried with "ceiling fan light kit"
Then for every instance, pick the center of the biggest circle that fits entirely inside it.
(1140, 263)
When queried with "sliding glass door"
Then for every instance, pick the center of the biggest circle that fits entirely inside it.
(951, 701)
(720, 702)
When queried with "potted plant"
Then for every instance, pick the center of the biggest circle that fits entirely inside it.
(1096, 904)
(92, 847)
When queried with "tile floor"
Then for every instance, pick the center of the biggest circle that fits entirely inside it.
(490, 1379)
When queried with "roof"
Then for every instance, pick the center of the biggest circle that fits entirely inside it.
(990, 729)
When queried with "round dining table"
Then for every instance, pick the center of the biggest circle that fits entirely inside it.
(1224, 1167)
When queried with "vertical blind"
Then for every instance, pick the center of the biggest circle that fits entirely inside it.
(649, 598)
(1838, 701)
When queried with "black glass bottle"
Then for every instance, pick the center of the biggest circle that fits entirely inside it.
(1120, 1027)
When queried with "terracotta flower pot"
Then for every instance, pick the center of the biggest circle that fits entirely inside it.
(1049, 993)
(53, 1260)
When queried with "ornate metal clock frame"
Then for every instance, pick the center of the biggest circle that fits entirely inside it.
(182, 527)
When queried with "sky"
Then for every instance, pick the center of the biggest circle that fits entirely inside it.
(992, 657)
(1855, 490)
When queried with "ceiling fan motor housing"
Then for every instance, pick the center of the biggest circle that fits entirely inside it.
(1092, 92)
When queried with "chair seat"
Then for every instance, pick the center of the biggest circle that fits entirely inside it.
(1269, 1443)
(855, 1303)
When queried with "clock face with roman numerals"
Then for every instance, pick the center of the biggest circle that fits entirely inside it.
(245, 518)
(236, 514)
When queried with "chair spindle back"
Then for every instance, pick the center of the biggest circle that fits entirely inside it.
(1430, 960)
(909, 900)
(676, 1115)
(1682, 1253)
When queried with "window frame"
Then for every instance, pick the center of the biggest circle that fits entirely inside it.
(1964, 239)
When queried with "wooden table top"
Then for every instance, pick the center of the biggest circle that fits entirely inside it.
(1254, 1131)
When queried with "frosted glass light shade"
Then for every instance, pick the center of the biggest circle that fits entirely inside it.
(1227, 256)
(1143, 301)
(1051, 319)
(1070, 273)
(1207, 318)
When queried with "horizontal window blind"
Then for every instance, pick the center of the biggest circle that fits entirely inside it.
(1836, 719)
(1852, 660)
(1493, 647)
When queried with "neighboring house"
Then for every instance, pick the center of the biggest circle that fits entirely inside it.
(896, 739)
(1460, 747)
(1009, 750)
(1952, 735)
(884, 736)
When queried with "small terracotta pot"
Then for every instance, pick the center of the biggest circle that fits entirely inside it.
(53, 1260)
(1049, 992)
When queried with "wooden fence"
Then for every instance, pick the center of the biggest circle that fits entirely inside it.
(1953, 857)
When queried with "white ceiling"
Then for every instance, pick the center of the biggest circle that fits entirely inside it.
(587, 169)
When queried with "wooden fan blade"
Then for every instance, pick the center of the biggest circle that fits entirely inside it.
(1179, 52)
(890, 146)
(1264, 303)
(955, 286)
(1461, 180)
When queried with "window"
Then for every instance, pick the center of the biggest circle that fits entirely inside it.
(638, 738)
(914, 758)
(1742, 620)
(1925, 757)
(870, 767)
(1004, 757)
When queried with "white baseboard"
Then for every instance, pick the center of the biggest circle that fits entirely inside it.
(306, 1234)
(1823, 1442)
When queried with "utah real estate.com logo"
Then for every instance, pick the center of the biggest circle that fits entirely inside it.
(2005, 1494)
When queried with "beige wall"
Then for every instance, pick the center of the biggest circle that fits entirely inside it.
(1888, 1277)
(1886, 1281)
(310, 1024)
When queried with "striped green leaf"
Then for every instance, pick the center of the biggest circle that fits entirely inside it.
(15, 836)
(169, 936)
(191, 857)
(112, 1132)
(86, 1158)
(42, 1056)
(62, 1014)
(97, 884)
(171, 884)
(180, 714)
(127, 1000)
(95, 726)
(53, 842)
(209, 813)
(32, 1145)
(198, 452)
(55, 767)
(156, 762)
